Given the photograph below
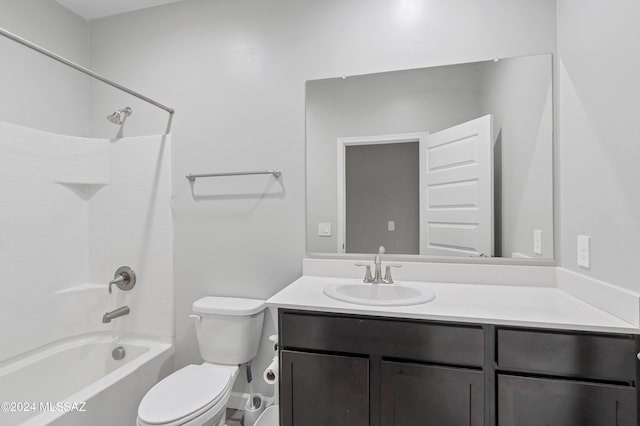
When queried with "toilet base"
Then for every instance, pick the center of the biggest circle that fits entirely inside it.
(270, 417)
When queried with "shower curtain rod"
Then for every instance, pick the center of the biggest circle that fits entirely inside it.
(82, 69)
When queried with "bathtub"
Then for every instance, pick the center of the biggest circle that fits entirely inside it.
(77, 382)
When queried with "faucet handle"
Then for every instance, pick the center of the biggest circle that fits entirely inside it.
(381, 250)
(368, 278)
(124, 279)
(387, 274)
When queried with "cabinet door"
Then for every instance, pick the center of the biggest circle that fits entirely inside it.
(528, 401)
(323, 390)
(414, 394)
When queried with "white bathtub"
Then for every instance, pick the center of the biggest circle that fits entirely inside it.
(78, 383)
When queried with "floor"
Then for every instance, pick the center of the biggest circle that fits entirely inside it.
(235, 417)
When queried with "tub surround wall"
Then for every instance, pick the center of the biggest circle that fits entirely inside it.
(43, 247)
(131, 224)
(74, 210)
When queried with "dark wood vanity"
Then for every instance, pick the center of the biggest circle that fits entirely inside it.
(344, 369)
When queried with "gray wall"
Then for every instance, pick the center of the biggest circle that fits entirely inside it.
(381, 184)
(236, 72)
(512, 89)
(36, 91)
(599, 137)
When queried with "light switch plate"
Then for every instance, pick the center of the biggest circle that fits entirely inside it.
(584, 251)
(324, 229)
(391, 225)
(537, 241)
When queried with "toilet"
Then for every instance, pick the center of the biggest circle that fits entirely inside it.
(228, 331)
(270, 417)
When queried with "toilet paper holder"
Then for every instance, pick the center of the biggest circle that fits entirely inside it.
(271, 373)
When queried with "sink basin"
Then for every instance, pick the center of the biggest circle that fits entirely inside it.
(379, 294)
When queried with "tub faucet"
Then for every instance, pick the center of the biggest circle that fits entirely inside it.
(108, 316)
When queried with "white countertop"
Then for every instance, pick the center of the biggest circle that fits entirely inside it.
(544, 307)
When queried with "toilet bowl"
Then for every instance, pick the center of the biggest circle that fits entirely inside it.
(193, 395)
(228, 331)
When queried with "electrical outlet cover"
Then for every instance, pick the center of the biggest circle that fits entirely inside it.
(537, 241)
(324, 229)
(584, 251)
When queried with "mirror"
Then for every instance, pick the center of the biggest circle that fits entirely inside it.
(454, 160)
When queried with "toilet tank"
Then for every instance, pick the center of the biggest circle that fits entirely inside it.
(228, 328)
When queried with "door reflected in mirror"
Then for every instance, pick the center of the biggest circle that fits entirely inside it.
(453, 160)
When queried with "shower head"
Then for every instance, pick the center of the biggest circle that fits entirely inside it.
(119, 116)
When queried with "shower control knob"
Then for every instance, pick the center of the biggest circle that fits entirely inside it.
(124, 279)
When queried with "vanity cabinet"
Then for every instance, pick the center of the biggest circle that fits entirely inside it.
(353, 370)
(344, 369)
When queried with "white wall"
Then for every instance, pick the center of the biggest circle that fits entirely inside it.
(235, 72)
(36, 91)
(599, 137)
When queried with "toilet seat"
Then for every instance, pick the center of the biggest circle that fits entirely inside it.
(191, 392)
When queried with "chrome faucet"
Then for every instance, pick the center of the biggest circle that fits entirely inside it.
(377, 261)
(108, 316)
(377, 277)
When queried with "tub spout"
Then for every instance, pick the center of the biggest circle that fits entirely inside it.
(115, 314)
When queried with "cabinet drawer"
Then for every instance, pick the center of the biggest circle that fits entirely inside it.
(528, 401)
(411, 340)
(577, 355)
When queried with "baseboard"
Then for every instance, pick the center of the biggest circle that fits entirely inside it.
(518, 255)
(620, 302)
(237, 400)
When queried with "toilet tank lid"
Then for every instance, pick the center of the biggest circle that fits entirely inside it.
(228, 306)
